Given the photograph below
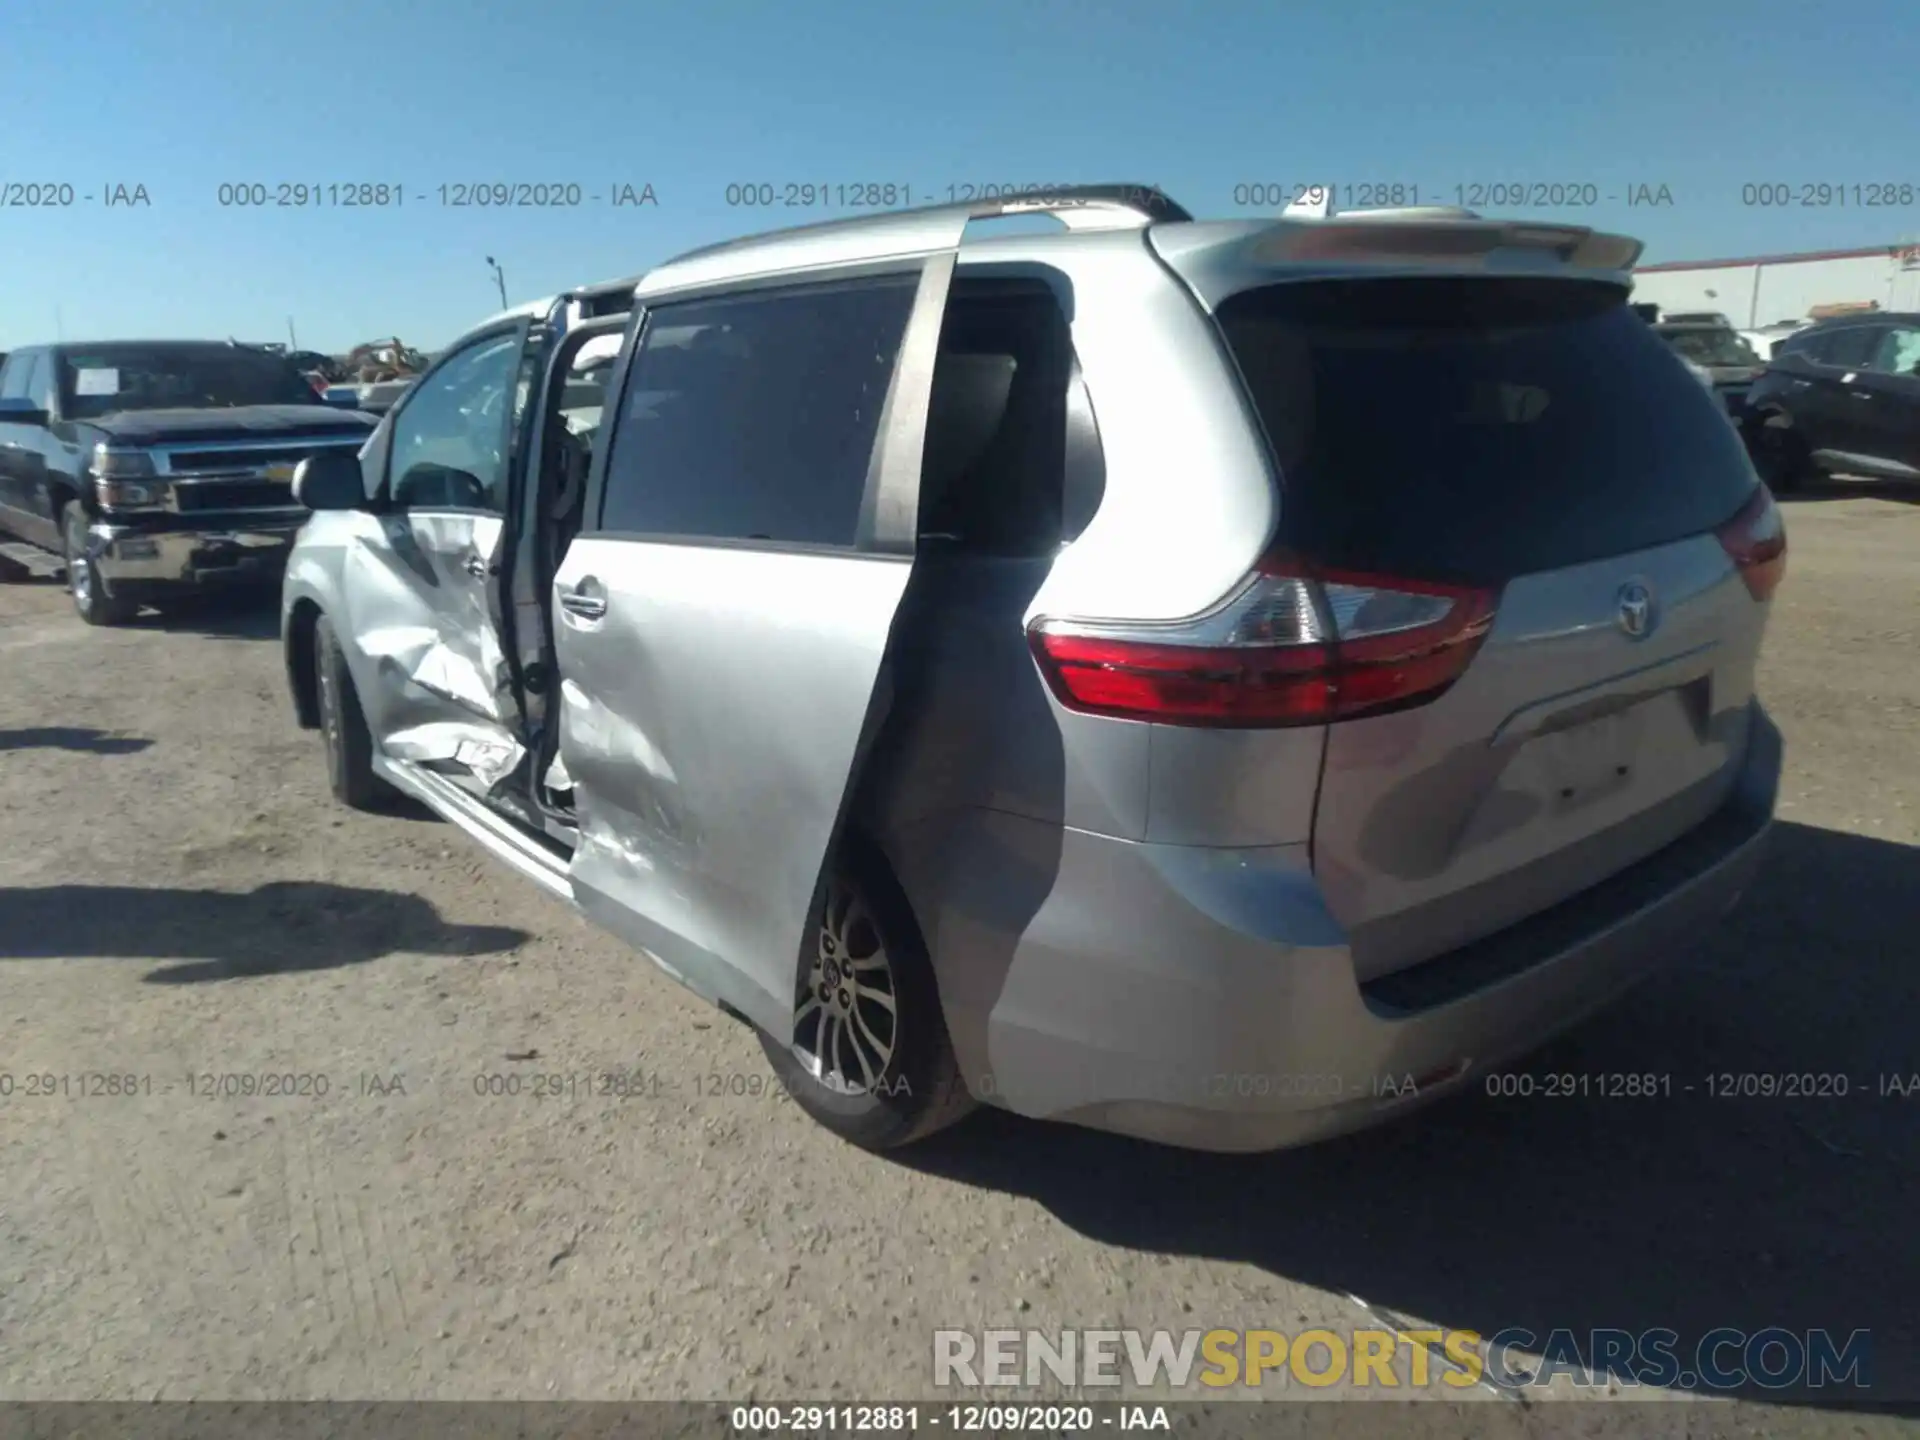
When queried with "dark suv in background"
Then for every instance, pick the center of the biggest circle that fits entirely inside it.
(155, 467)
(1840, 397)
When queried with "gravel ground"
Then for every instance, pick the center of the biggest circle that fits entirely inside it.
(181, 898)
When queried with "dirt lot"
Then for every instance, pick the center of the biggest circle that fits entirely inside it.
(180, 899)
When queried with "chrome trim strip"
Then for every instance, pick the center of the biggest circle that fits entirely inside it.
(163, 455)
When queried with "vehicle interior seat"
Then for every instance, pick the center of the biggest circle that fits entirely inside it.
(966, 413)
(572, 456)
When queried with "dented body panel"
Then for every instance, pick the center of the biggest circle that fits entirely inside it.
(702, 825)
(416, 634)
(718, 698)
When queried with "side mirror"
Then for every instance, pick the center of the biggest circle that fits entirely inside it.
(427, 485)
(18, 410)
(330, 480)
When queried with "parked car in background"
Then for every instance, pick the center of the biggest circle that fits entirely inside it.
(155, 467)
(320, 370)
(909, 647)
(374, 397)
(1696, 317)
(389, 359)
(1728, 360)
(1839, 397)
(1766, 337)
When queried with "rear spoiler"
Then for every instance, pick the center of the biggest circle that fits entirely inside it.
(1400, 236)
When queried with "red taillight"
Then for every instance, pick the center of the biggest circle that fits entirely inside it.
(1756, 541)
(1291, 648)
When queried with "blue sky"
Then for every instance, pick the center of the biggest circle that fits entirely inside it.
(692, 96)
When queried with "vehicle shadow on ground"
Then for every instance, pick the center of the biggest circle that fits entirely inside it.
(277, 928)
(1561, 1214)
(16, 574)
(220, 617)
(72, 737)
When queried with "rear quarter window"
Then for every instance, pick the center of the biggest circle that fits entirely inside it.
(1474, 429)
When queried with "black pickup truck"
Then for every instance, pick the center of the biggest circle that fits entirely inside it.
(153, 468)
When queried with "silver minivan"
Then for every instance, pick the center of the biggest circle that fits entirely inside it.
(1225, 683)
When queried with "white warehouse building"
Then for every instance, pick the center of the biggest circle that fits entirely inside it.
(1764, 289)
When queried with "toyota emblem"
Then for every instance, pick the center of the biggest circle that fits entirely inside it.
(1636, 610)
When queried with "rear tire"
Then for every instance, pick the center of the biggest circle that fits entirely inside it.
(867, 998)
(343, 727)
(84, 585)
(1780, 456)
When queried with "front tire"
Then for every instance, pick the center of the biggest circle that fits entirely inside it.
(84, 585)
(869, 1056)
(343, 727)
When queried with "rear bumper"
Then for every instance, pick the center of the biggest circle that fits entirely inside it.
(134, 560)
(1207, 999)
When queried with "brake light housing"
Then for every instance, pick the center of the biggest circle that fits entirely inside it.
(1755, 539)
(1295, 645)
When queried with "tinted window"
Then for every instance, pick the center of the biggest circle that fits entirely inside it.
(106, 379)
(1849, 347)
(13, 375)
(1710, 345)
(1799, 343)
(1898, 352)
(1013, 463)
(1477, 430)
(449, 442)
(754, 417)
(39, 381)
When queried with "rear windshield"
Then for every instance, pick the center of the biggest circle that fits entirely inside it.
(113, 378)
(1475, 429)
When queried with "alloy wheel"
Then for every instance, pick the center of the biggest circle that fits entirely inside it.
(329, 715)
(846, 1027)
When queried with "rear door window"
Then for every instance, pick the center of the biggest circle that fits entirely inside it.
(753, 417)
(1473, 430)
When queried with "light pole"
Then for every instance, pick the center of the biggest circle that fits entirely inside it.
(500, 277)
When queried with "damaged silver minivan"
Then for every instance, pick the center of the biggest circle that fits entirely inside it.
(1225, 683)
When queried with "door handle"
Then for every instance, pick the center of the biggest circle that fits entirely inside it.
(585, 600)
(476, 565)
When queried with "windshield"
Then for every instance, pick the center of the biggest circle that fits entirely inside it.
(116, 378)
(1710, 346)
